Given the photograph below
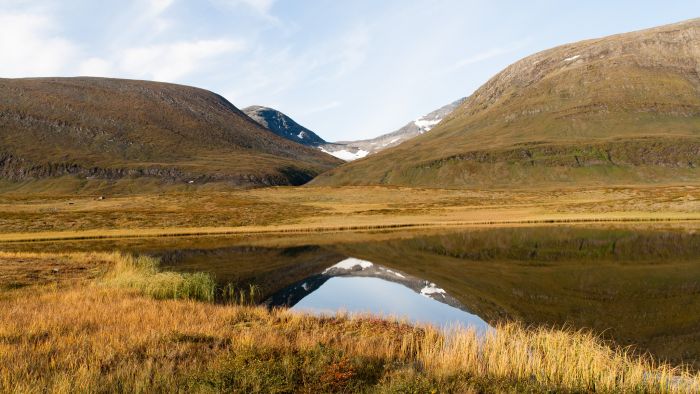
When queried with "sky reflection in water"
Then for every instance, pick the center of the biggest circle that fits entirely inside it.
(379, 296)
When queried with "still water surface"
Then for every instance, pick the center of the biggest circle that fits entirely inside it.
(638, 287)
(379, 296)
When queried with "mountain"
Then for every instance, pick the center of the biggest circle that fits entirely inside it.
(286, 127)
(352, 150)
(616, 110)
(113, 129)
(283, 125)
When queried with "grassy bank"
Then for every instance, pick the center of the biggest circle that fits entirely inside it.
(103, 332)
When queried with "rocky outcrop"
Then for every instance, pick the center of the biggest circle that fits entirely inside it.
(671, 154)
(283, 125)
(17, 169)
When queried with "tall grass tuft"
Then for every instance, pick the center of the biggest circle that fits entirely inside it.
(232, 294)
(557, 359)
(142, 273)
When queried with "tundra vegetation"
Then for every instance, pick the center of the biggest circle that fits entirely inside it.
(51, 209)
(110, 322)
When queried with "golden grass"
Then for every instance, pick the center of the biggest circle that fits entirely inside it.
(94, 337)
(311, 209)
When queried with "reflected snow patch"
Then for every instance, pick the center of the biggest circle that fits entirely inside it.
(349, 264)
(431, 289)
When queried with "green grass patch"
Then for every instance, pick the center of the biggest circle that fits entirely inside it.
(142, 273)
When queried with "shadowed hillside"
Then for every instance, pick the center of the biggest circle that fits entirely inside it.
(113, 129)
(622, 109)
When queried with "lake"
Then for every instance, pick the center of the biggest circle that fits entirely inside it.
(634, 286)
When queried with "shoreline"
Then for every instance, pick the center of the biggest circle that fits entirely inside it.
(301, 229)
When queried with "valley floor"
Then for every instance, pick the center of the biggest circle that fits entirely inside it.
(36, 215)
(115, 323)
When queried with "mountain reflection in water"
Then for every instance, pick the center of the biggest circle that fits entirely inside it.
(638, 287)
(359, 286)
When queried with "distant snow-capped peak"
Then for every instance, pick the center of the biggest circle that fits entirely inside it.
(424, 124)
(348, 154)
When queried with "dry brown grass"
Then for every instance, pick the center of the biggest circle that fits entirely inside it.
(19, 270)
(35, 217)
(95, 338)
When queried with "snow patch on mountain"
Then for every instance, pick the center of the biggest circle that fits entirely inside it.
(353, 150)
(345, 154)
(349, 264)
(426, 124)
(284, 126)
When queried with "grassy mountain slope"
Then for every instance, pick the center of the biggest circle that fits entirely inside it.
(113, 129)
(621, 109)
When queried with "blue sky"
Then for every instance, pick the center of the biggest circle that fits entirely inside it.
(345, 69)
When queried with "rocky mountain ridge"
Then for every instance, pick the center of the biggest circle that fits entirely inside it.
(353, 150)
(284, 126)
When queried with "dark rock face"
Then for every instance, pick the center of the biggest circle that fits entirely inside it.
(16, 169)
(283, 125)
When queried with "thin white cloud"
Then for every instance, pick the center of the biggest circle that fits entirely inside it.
(96, 67)
(172, 61)
(270, 72)
(321, 108)
(157, 7)
(488, 54)
(31, 46)
(262, 8)
(267, 74)
(353, 50)
(140, 21)
(479, 57)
